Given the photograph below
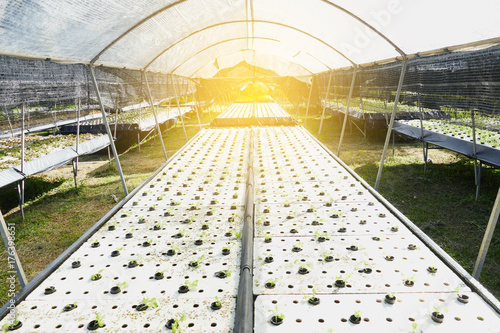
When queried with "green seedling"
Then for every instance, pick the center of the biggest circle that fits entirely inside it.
(298, 245)
(100, 320)
(310, 297)
(326, 254)
(150, 302)
(235, 233)
(232, 218)
(96, 276)
(196, 263)
(277, 314)
(439, 311)
(122, 285)
(191, 285)
(217, 301)
(319, 234)
(357, 314)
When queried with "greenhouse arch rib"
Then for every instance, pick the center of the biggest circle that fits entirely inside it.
(222, 55)
(134, 27)
(247, 21)
(347, 12)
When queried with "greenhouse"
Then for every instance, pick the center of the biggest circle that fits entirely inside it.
(236, 140)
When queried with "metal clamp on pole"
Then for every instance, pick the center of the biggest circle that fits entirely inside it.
(244, 300)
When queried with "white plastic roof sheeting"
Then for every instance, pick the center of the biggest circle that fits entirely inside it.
(291, 37)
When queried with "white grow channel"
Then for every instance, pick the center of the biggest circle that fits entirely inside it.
(327, 253)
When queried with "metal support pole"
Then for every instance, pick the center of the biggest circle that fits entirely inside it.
(150, 97)
(179, 109)
(488, 235)
(13, 261)
(23, 145)
(425, 146)
(75, 162)
(426, 154)
(8, 119)
(391, 123)
(324, 107)
(308, 101)
(346, 115)
(196, 109)
(139, 131)
(108, 130)
(474, 151)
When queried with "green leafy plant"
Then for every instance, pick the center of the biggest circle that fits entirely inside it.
(276, 313)
(196, 263)
(150, 302)
(191, 285)
(99, 318)
(122, 285)
(357, 314)
(235, 233)
(96, 276)
(326, 254)
(319, 234)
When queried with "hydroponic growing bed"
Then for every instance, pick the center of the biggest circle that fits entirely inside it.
(328, 253)
(258, 114)
(371, 117)
(456, 137)
(44, 154)
(133, 120)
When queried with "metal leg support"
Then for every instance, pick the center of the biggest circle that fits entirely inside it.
(8, 235)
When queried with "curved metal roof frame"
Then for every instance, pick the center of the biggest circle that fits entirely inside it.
(247, 21)
(53, 36)
(225, 41)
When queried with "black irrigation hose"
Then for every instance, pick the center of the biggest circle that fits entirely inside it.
(33, 284)
(244, 300)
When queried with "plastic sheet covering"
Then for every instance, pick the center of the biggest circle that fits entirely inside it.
(128, 33)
